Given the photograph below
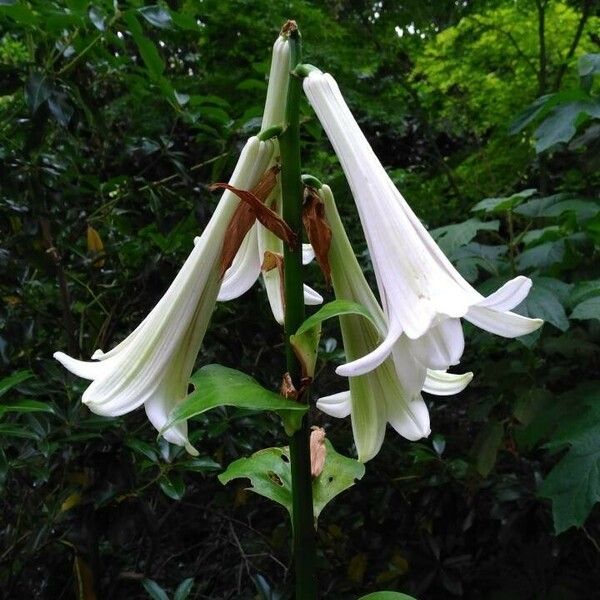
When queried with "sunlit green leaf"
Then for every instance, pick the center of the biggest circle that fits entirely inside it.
(270, 476)
(215, 385)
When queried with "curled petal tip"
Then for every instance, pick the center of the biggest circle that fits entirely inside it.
(190, 449)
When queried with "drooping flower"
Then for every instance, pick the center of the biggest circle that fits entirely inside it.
(423, 295)
(390, 393)
(261, 251)
(152, 366)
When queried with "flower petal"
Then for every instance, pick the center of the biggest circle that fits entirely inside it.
(337, 405)
(308, 254)
(441, 346)
(410, 419)
(244, 270)
(504, 323)
(511, 294)
(81, 368)
(441, 383)
(312, 297)
(157, 409)
(373, 359)
(368, 416)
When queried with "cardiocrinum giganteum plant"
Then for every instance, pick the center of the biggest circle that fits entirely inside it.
(396, 346)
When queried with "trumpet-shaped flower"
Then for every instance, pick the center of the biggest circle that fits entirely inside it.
(152, 366)
(259, 244)
(423, 295)
(390, 393)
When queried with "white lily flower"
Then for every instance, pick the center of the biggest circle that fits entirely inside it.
(152, 366)
(423, 295)
(390, 393)
(248, 263)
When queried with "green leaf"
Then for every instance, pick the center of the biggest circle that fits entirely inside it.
(270, 476)
(562, 124)
(97, 18)
(8, 430)
(501, 205)
(486, 446)
(559, 204)
(306, 339)
(573, 485)
(339, 473)
(589, 64)
(588, 309)
(269, 473)
(25, 406)
(542, 256)
(583, 291)
(157, 16)
(20, 13)
(172, 485)
(544, 302)
(452, 237)
(306, 348)
(387, 596)
(543, 105)
(538, 206)
(37, 91)
(154, 590)
(143, 448)
(148, 51)
(183, 589)
(334, 309)
(215, 385)
(12, 380)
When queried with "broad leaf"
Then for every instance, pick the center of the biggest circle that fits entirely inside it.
(542, 256)
(486, 446)
(306, 340)
(270, 476)
(537, 207)
(562, 124)
(334, 309)
(500, 205)
(545, 301)
(574, 483)
(452, 237)
(215, 385)
(589, 64)
(588, 309)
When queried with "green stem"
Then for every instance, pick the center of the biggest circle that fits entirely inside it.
(304, 542)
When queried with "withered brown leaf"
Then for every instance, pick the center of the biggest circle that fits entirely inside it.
(244, 216)
(317, 229)
(318, 451)
(257, 209)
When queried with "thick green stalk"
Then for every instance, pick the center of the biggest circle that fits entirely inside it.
(304, 543)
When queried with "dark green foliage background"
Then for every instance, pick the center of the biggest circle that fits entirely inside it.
(119, 119)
